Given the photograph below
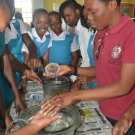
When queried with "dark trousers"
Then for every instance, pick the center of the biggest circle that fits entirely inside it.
(131, 131)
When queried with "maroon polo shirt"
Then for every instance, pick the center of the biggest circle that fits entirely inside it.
(118, 48)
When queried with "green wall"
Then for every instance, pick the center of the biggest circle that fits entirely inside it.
(49, 3)
(133, 1)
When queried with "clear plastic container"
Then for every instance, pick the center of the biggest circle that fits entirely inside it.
(53, 86)
(65, 126)
(52, 68)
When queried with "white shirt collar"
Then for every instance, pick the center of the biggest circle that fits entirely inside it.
(60, 37)
(34, 33)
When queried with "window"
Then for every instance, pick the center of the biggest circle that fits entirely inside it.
(25, 7)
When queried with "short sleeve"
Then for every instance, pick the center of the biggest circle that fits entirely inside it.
(50, 43)
(7, 36)
(128, 55)
(24, 49)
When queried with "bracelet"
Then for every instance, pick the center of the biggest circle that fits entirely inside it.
(75, 71)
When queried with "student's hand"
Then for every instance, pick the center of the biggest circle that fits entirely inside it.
(33, 62)
(59, 101)
(19, 104)
(63, 70)
(31, 75)
(122, 125)
(41, 121)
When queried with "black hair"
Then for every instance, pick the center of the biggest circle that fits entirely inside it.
(84, 21)
(107, 1)
(3, 4)
(56, 13)
(70, 3)
(38, 11)
(18, 15)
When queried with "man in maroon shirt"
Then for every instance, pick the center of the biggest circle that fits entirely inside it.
(114, 47)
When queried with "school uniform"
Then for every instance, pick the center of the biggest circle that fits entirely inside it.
(62, 47)
(91, 59)
(82, 37)
(2, 42)
(85, 39)
(41, 44)
(6, 91)
(14, 39)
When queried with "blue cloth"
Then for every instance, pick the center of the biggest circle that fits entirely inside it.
(15, 46)
(90, 54)
(41, 47)
(6, 91)
(60, 51)
(2, 42)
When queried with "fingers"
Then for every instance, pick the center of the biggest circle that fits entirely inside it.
(119, 130)
(24, 77)
(34, 63)
(23, 107)
(49, 75)
(49, 107)
(115, 132)
(38, 63)
(29, 64)
(55, 118)
(17, 110)
(30, 75)
(35, 79)
(54, 104)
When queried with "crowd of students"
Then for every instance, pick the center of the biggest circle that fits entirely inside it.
(105, 38)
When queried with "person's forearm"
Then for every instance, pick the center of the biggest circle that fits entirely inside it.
(87, 71)
(75, 58)
(45, 58)
(45, 62)
(119, 88)
(109, 91)
(30, 44)
(84, 71)
(8, 72)
(26, 57)
(32, 50)
(31, 129)
(16, 65)
(2, 107)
